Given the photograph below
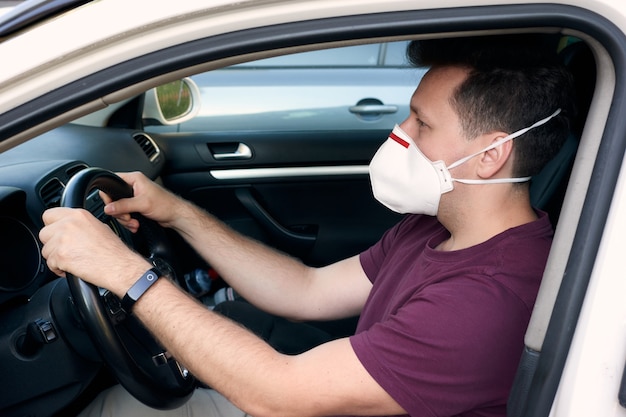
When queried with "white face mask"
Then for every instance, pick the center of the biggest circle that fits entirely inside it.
(406, 181)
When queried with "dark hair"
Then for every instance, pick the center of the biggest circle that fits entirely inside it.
(514, 81)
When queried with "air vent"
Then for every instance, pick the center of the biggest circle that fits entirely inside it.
(147, 146)
(51, 192)
(73, 170)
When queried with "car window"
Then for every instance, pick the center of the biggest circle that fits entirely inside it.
(351, 56)
(340, 89)
(394, 54)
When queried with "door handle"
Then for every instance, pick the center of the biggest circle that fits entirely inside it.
(369, 109)
(242, 151)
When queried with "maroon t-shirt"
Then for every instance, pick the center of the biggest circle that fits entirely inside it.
(442, 332)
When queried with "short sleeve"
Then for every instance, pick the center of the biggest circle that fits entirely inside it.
(373, 258)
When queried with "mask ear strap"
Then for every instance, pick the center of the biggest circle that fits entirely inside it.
(505, 139)
(493, 181)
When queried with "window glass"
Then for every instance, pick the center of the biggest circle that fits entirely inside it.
(350, 56)
(363, 87)
(395, 54)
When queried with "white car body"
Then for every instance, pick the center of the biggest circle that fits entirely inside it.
(70, 48)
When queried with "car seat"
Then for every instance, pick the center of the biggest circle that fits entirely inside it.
(547, 188)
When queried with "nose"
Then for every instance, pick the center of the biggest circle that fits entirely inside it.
(405, 125)
(409, 126)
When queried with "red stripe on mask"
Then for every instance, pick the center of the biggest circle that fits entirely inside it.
(399, 140)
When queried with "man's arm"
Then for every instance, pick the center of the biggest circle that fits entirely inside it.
(327, 380)
(271, 280)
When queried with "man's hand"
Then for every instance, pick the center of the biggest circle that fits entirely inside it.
(78, 243)
(149, 199)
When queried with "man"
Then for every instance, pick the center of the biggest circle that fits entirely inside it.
(444, 297)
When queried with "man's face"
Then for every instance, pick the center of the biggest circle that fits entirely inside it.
(432, 123)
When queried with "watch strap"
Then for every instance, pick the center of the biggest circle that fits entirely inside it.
(139, 288)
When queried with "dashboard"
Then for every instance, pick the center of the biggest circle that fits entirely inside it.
(31, 182)
(23, 269)
(35, 306)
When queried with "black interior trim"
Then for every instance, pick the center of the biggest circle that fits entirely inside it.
(589, 232)
(28, 14)
(336, 147)
(299, 241)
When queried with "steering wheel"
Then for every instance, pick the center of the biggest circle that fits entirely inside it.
(141, 366)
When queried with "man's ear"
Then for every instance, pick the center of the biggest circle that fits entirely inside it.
(496, 162)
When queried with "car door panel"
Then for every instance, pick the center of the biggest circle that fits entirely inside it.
(305, 193)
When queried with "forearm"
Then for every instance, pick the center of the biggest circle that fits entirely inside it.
(326, 380)
(270, 279)
(220, 353)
